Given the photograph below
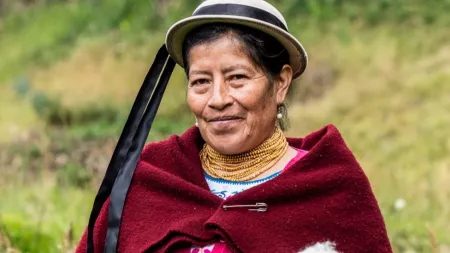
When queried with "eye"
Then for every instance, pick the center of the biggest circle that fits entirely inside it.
(238, 77)
(199, 82)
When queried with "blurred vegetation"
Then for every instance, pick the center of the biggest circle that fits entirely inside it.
(69, 71)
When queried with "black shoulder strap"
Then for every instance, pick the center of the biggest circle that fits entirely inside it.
(129, 147)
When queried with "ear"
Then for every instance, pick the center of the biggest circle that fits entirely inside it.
(283, 83)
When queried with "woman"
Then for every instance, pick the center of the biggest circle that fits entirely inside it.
(233, 182)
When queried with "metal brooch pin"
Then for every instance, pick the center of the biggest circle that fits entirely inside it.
(258, 207)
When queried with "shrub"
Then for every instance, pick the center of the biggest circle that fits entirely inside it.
(74, 175)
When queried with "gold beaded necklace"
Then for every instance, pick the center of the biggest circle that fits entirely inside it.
(248, 165)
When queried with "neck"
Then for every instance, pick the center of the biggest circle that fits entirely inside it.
(248, 165)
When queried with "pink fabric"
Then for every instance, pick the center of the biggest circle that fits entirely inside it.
(300, 153)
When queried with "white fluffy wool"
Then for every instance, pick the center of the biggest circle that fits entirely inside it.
(321, 247)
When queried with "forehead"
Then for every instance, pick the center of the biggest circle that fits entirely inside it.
(226, 49)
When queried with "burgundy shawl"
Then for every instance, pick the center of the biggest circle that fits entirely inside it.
(324, 197)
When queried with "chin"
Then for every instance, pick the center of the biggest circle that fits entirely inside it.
(227, 144)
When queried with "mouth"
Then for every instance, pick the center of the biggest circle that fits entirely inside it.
(224, 119)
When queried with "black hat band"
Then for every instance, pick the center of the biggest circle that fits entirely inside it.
(241, 10)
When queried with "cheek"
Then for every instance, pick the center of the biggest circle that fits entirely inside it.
(264, 110)
(252, 94)
(258, 101)
(195, 102)
(191, 102)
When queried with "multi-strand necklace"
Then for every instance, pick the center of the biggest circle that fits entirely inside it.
(248, 165)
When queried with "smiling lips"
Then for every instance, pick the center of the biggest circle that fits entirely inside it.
(224, 119)
(224, 123)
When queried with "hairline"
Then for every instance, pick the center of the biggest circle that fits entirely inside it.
(235, 37)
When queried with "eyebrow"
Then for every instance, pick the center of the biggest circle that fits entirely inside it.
(225, 70)
(199, 72)
(234, 67)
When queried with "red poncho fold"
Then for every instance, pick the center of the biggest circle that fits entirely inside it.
(324, 197)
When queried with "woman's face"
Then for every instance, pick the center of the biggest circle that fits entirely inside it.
(232, 99)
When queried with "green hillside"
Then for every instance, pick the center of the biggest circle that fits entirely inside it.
(69, 71)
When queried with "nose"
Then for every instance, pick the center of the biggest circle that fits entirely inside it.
(220, 97)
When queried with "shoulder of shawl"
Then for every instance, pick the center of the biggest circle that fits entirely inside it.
(173, 150)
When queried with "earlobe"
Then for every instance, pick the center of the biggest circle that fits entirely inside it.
(284, 83)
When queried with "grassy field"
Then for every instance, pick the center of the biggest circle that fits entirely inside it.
(378, 71)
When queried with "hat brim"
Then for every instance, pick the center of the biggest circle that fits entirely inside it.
(298, 58)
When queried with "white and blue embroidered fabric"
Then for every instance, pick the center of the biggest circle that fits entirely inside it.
(225, 189)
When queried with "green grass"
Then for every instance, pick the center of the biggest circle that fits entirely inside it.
(386, 69)
(37, 215)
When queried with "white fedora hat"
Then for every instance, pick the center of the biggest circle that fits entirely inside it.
(256, 14)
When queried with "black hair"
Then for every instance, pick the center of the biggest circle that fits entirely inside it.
(265, 52)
